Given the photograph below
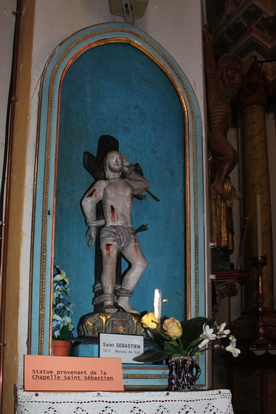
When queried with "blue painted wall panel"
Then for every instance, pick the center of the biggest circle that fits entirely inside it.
(116, 89)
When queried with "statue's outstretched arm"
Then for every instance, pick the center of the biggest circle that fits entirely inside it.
(209, 54)
(138, 183)
(88, 203)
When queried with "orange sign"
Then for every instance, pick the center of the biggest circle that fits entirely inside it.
(52, 373)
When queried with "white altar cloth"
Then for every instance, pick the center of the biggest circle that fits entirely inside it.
(155, 402)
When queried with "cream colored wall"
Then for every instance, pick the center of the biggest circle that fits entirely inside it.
(7, 21)
(16, 240)
(175, 24)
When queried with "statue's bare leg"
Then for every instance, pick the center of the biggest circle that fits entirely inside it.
(109, 259)
(138, 263)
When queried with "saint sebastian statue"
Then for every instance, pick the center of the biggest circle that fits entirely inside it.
(116, 193)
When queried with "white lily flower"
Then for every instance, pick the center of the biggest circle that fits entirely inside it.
(67, 321)
(232, 338)
(56, 333)
(232, 348)
(62, 308)
(56, 318)
(203, 343)
(61, 276)
(208, 333)
(222, 333)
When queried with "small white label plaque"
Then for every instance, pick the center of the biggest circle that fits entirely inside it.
(121, 346)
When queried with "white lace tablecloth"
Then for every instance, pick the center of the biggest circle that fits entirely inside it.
(155, 402)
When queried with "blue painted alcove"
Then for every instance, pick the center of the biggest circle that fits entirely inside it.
(114, 79)
(120, 91)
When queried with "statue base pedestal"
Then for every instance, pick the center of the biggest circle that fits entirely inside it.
(91, 324)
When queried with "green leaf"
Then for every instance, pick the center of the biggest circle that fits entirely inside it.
(192, 329)
(156, 336)
(65, 333)
(152, 356)
(172, 348)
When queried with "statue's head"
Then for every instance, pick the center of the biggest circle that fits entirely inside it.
(113, 164)
(230, 71)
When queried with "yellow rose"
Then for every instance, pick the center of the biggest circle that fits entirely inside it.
(173, 328)
(149, 321)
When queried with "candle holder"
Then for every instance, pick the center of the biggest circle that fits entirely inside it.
(261, 343)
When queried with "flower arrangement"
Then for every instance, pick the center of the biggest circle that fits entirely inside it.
(62, 312)
(184, 339)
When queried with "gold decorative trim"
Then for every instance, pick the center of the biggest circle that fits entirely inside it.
(146, 387)
(144, 376)
(45, 212)
(32, 239)
(139, 367)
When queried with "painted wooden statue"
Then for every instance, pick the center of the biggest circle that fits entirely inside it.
(223, 81)
(117, 235)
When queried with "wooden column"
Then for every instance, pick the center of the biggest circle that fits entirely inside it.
(253, 101)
